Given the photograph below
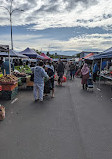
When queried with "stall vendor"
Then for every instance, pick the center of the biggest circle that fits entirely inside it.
(96, 68)
(1, 61)
(5, 67)
(110, 68)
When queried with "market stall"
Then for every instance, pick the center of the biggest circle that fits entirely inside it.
(19, 79)
(24, 75)
(105, 72)
(13, 56)
(5, 48)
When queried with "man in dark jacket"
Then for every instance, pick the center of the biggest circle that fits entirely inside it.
(72, 70)
(60, 71)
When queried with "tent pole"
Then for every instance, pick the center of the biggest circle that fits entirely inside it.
(9, 63)
(100, 71)
(92, 68)
(36, 61)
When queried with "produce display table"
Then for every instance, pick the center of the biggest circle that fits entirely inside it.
(25, 82)
(24, 74)
(109, 78)
(29, 83)
(9, 85)
(9, 95)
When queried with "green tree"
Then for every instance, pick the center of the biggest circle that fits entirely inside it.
(38, 52)
(78, 55)
(48, 54)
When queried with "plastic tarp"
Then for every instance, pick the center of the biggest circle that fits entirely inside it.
(88, 57)
(31, 53)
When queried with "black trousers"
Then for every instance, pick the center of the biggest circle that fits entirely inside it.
(94, 77)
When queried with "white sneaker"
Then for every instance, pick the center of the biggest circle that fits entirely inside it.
(41, 100)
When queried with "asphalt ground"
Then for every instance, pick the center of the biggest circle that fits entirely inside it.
(76, 124)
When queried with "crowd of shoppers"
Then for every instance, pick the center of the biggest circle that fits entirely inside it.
(44, 72)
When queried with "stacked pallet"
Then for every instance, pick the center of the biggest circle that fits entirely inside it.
(9, 85)
(9, 92)
(9, 95)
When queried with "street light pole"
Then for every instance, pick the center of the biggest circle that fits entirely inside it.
(11, 24)
(10, 11)
(11, 32)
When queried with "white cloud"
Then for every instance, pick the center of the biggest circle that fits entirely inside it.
(98, 42)
(59, 13)
(46, 13)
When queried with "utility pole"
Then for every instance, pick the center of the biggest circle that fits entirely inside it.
(11, 11)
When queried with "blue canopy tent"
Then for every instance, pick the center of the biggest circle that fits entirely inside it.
(12, 54)
(4, 54)
(31, 53)
(104, 55)
(107, 54)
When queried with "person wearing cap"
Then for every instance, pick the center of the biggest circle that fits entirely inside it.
(39, 75)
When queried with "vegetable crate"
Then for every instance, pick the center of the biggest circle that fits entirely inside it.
(0, 88)
(8, 87)
(28, 82)
(9, 95)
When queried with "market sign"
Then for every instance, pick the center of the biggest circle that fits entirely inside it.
(4, 48)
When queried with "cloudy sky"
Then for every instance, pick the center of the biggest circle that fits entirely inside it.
(58, 25)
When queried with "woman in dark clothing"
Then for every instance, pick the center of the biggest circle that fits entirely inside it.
(85, 75)
(50, 71)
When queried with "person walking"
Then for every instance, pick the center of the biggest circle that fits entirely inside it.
(39, 75)
(50, 71)
(60, 71)
(72, 70)
(67, 67)
(85, 75)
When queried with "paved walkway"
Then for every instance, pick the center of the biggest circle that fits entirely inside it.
(76, 124)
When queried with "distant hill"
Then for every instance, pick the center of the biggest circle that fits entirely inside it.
(68, 53)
